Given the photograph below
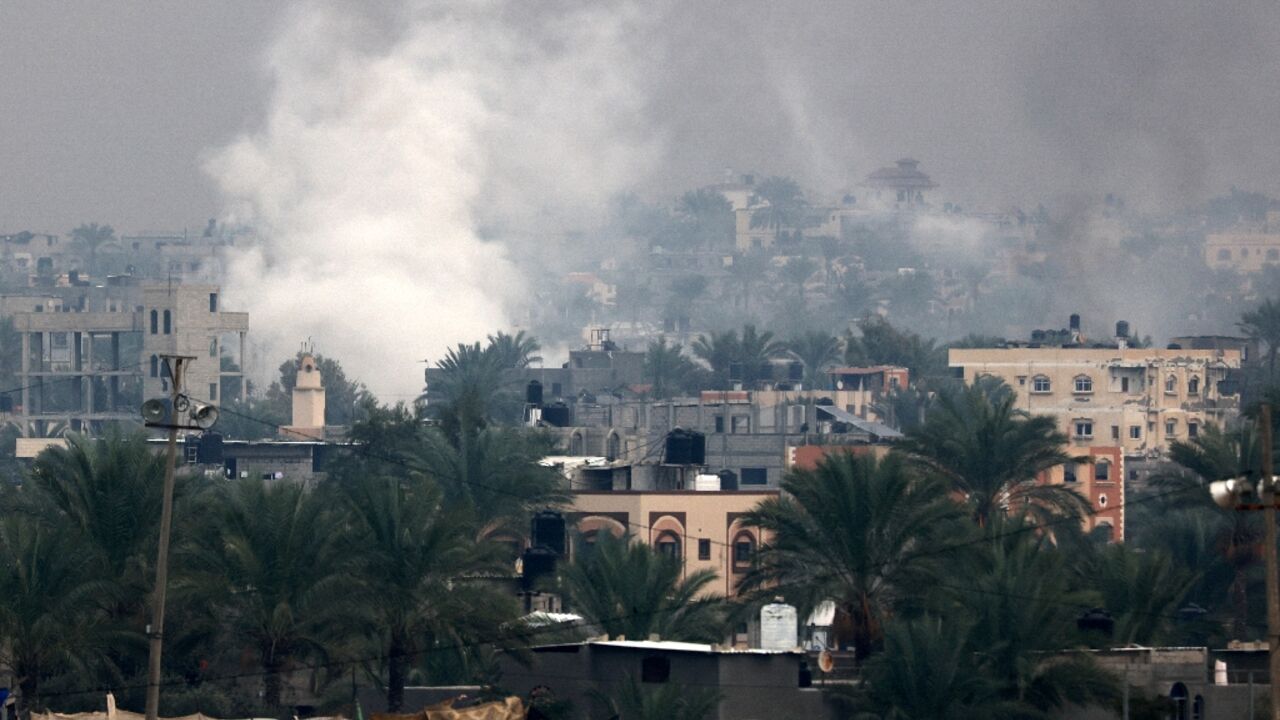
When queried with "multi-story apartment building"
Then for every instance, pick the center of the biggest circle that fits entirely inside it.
(1245, 249)
(1115, 404)
(94, 361)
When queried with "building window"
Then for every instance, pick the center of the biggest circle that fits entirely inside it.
(168, 322)
(1102, 471)
(1171, 385)
(1041, 384)
(1224, 254)
(213, 391)
(669, 544)
(1170, 427)
(155, 366)
(1124, 384)
(655, 669)
(155, 322)
(1084, 428)
(1102, 500)
(1069, 473)
(1115, 432)
(744, 551)
(704, 549)
(755, 476)
(719, 423)
(1135, 432)
(1084, 384)
(213, 302)
(1193, 430)
(1193, 385)
(741, 424)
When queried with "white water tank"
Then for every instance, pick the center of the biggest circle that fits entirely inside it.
(778, 627)
(706, 482)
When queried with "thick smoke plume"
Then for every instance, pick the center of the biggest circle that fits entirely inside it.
(392, 177)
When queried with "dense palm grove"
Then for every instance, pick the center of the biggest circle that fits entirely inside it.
(958, 579)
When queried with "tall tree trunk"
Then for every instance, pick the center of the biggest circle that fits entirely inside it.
(396, 663)
(271, 681)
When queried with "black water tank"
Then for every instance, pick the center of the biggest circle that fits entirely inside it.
(1122, 329)
(556, 414)
(1037, 336)
(1075, 321)
(549, 531)
(685, 447)
(1174, 346)
(795, 370)
(736, 371)
(728, 480)
(537, 563)
(209, 449)
(533, 393)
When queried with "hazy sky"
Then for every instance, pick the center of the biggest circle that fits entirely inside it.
(109, 108)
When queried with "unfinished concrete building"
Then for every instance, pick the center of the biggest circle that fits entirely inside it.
(94, 363)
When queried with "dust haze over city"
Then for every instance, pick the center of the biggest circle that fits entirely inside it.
(564, 238)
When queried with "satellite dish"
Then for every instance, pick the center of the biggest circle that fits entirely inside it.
(826, 663)
(155, 410)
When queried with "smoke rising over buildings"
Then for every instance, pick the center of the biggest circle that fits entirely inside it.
(379, 164)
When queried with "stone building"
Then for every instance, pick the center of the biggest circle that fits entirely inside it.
(94, 362)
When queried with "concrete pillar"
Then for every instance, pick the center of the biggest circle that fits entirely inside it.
(244, 386)
(92, 375)
(25, 378)
(113, 386)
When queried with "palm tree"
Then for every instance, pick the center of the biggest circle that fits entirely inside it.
(992, 454)
(492, 478)
(1023, 603)
(668, 701)
(419, 562)
(747, 270)
(818, 351)
(718, 350)
(755, 350)
(89, 238)
(50, 619)
(1141, 590)
(471, 382)
(1236, 537)
(514, 351)
(629, 589)
(852, 530)
(709, 215)
(927, 671)
(797, 271)
(273, 559)
(665, 367)
(784, 205)
(106, 493)
(1263, 325)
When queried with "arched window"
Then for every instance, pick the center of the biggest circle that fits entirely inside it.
(744, 551)
(1084, 384)
(155, 322)
(155, 366)
(614, 447)
(1102, 471)
(1041, 384)
(575, 444)
(168, 322)
(1224, 254)
(1197, 708)
(669, 544)
(1171, 384)
(1178, 694)
(1193, 385)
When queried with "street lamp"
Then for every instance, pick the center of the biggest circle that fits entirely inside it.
(1243, 493)
(174, 413)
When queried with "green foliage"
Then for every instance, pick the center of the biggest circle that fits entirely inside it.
(852, 530)
(818, 351)
(1263, 324)
(668, 370)
(629, 700)
(629, 589)
(343, 396)
(882, 344)
(749, 353)
(991, 454)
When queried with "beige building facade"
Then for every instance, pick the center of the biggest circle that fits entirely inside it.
(703, 528)
(1246, 250)
(1113, 404)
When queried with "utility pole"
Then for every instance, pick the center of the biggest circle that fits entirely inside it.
(1244, 494)
(156, 629)
(1269, 548)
